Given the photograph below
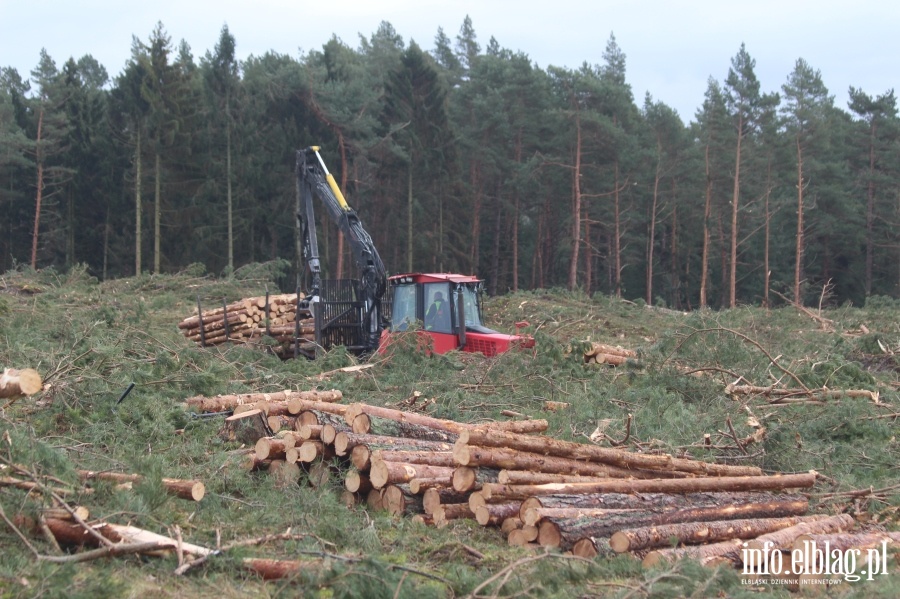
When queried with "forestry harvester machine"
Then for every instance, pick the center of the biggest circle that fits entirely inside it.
(362, 313)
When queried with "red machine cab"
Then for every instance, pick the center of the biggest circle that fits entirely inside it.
(440, 303)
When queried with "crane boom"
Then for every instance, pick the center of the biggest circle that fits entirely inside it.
(313, 178)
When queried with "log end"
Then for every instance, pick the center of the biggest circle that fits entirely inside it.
(198, 491)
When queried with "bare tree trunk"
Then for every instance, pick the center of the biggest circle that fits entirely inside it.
(228, 191)
(676, 280)
(798, 264)
(767, 274)
(588, 255)
(137, 204)
(515, 222)
(870, 212)
(617, 235)
(704, 260)
(409, 219)
(735, 199)
(40, 190)
(476, 214)
(157, 213)
(576, 208)
(651, 237)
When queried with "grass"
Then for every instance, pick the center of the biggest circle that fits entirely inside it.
(90, 340)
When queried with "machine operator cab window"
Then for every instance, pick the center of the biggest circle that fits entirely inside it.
(404, 313)
(437, 313)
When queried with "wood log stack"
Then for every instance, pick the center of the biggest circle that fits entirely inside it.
(250, 320)
(535, 489)
(600, 353)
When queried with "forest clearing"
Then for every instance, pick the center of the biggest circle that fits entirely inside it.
(145, 464)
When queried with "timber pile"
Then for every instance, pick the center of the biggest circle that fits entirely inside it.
(535, 489)
(282, 318)
(600, 353)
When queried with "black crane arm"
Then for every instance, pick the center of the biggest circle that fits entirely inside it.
(313, 178)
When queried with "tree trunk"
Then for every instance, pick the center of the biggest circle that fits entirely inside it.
(870, 211)
(729, 549)
(471, 479)
(651, 235)
(228, 186)
(512, 459)
(306, 399)
(157, 211)
(576, 208)
(344, 442)
(704, 259)
(565, 531)
(581, 451)
(138, 208)
(784, 539)
(383, 473)
(399, 501)
(617, 235)
(735, 199)
(798, 263)
(693, 533)
(672, 485)
(246, 427)
(39, 155)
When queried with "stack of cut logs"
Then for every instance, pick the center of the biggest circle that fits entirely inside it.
(251, 319)
(600, 353)
(537, 490)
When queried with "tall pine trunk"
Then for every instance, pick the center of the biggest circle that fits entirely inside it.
(651, 236)
(40, 190)
(228, 192)
(474, 176)
(870, 212)
(137, 204)
(157, 213)
(704, 260)
(798, 263)
(735, 199)
(617, 235)
(409, 218)
(576, 208)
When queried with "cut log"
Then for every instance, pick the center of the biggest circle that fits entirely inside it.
(383, 473)
(616, 457)
(434, 497)
(413, 456)
(368, 424)
(274, 447)
(14, 383)
(784, 539)
(422, 485)
(224, 403)
(674, 485)
(280, 421)
(310, 431)
(69, 533)
(564, 532)
(312, 450)
(275, 569)
(699, 552)
(844, 541)
(320, 474)
(526, 477)
(375, 499)
(186, 489)
(512, 459)
(357, 482)
(345, 441)
(493, 514)
(471, 479)
(399, 501)
(510, 524)
(245, 427)
(693, 533)
(787, 505)
(452, 511)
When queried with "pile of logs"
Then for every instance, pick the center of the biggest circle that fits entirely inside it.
(600, 353)
(277, 317)
(537, 490)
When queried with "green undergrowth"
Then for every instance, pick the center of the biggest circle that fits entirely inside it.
(90, 340)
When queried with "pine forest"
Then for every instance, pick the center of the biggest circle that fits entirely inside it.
(465, 157)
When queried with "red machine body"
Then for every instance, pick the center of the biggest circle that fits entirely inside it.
(441, 303)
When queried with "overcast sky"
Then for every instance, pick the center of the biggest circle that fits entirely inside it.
(672, 47)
